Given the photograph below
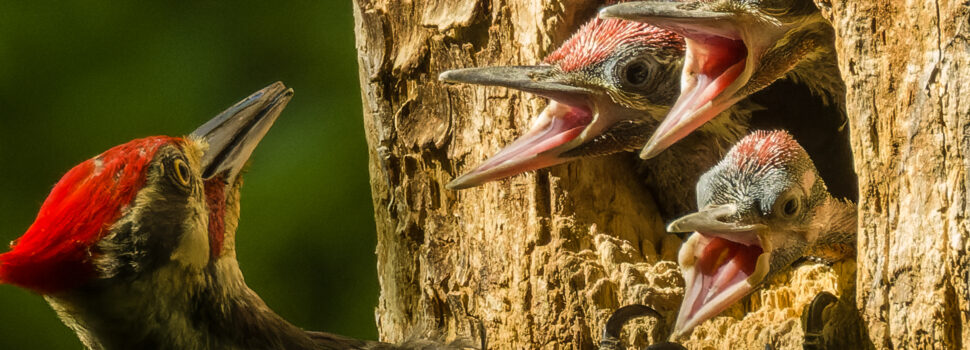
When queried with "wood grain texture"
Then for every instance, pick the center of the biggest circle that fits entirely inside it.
(906, 64)
(541, 259)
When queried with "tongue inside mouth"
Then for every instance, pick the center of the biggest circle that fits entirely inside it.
(557, 125)
(720, 278)
(715, 63)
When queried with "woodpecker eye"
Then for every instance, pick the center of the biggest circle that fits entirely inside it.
(182, 174)
(790, 206)
(635, 73)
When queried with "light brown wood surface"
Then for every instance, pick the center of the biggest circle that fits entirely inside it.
(542, 259)
(906, 65)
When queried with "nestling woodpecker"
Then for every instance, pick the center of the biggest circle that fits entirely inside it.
(135, 248)
(762, 208)
(609, 86)
(737, 48)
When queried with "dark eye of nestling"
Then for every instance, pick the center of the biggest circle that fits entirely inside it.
(790, 207)
(635, 73)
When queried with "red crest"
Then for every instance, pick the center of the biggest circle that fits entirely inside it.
(762, 149)
(598, 38)
(56, 251)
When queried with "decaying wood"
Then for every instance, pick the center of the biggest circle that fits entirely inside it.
(541, 259)
(906, 66)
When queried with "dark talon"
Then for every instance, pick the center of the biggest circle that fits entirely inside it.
(666, 346)
(814, 322)
(614, 325)
(623, 315)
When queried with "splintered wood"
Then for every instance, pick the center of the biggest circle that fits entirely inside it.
(905, 64)
(541, 260)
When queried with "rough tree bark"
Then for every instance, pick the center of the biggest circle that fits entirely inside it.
(542, 259)
(522, 255)
(906, 65)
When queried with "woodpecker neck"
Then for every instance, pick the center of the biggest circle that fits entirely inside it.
(194, 298)
(177, 307)
(672, 175)
(237, 316)
(837, 223)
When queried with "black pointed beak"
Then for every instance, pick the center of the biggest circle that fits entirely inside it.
(233, 134)
(683, 18)
(560, 127)
(636, 10)
(710, 220)
(540, 80)
(715, 68)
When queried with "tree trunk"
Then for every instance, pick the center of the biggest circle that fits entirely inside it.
(541, 260)
(906, 66)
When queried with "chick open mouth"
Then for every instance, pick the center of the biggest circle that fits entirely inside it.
(715, 63)
(540, 147)
(719, 270)
(716, 67)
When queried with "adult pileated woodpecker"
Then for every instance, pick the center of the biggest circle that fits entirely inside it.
(762, 208)
(734, 49)
(610, 84)
(135, 248)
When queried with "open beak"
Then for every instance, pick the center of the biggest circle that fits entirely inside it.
(233, 134)
(723, 53)
(569, 120)
(721, 263)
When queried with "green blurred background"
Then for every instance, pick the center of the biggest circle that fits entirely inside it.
(77, 77)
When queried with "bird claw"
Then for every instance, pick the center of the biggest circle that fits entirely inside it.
(619, 318)
(814, 320)
(819, 260)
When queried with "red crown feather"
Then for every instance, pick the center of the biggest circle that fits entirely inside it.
(598, 38)
(56, 251)
(763, 149)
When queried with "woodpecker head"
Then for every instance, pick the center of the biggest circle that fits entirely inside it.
(734, 48)
(762, 207)
(609, 85)
(149, 203)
